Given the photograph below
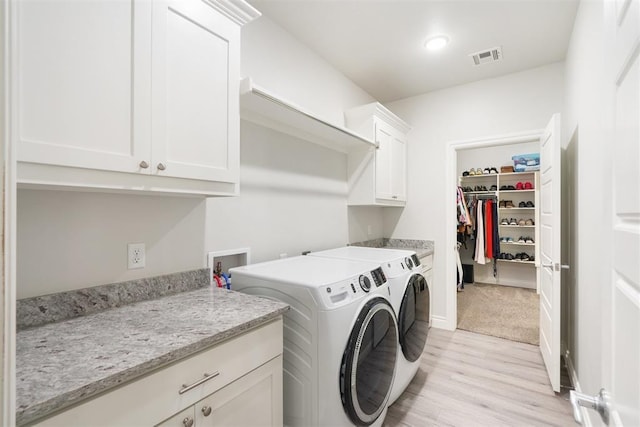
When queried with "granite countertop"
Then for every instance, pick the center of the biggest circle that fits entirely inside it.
(422, 248)
(60, 364)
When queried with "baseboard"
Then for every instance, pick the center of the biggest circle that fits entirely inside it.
(573, 376)
(441, 322)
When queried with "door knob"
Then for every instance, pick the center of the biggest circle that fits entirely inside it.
(600, 403)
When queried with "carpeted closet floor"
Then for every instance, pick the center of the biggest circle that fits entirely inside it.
(500, 311)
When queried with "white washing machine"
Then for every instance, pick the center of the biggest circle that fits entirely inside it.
(340, 337)
(410, 299)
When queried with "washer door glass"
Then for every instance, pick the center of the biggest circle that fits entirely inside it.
(413, 318)
(368, 362)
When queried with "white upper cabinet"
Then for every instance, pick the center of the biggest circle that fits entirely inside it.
(378, 177)
(128, 95)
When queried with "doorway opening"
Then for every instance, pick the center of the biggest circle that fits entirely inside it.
(498, 290)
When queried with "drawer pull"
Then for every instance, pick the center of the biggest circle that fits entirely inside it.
(187, 422)
(185, 388)
(206, 411)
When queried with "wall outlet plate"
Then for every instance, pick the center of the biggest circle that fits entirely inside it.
(136, 257)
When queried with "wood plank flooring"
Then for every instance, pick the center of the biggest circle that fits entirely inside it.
(468, 379)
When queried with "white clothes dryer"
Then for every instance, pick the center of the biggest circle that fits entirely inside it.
(410, 299)
(340, 337)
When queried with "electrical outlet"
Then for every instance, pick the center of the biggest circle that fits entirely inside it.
(135, 255)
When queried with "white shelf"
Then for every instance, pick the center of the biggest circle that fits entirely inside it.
(517, 226)
(265, 108)
(517, 262)
(518, 191)
(515, 209)
(517, 244)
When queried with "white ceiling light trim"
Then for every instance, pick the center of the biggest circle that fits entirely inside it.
(436, 42)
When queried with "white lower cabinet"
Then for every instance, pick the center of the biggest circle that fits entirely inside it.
(235, 383)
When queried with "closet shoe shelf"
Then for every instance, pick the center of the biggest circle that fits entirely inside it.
(512, 199)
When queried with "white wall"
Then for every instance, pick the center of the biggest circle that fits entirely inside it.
(583, 138)
(71, 240)
(509, 104)
(292, 198)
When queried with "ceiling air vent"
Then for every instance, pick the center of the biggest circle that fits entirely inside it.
(485, 56)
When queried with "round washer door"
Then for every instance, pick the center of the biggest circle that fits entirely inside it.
(413, 318)
(368, 362)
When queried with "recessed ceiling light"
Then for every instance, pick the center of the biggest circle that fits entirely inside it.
(436, 42)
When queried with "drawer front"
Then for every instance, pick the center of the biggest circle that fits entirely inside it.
(426, 262)
(157, 396)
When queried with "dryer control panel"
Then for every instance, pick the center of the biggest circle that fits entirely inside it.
(347, 291)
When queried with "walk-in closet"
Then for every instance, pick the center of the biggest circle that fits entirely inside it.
(497, 233)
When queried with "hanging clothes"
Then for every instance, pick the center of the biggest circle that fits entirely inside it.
(480, 233)
(488, 229)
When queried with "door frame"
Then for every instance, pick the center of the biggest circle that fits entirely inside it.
(8, 231)
(450, 322)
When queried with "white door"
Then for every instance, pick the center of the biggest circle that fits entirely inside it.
(195, 118)
(621, 316)
(83, 83)
(383, 161)
(550, 152)
(399, 167)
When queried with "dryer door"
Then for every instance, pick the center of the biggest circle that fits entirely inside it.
(413, 318)
(368, 362)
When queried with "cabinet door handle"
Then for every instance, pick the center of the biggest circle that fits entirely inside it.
(187, 422)
(144, 164)
(161, 167)
(185, 388)
(206, 411)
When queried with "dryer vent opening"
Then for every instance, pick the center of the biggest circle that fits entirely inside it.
(485, 56)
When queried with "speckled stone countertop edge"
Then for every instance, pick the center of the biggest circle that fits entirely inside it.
(36, 403)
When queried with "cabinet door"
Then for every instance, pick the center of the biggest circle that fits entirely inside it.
(83, 83)
(253, 400)
(399, 167)
(181, 419)
(195, 111)
(384, 154)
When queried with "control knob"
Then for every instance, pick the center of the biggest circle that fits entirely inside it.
(365, 283)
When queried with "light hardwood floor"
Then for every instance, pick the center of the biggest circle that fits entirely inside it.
(468, 379)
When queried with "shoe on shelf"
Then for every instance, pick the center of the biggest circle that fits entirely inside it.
(493, 170)
(465, 173)
(509, 204)
(532, 258)
(493, 188)
(509, 240)
(528, 186)
(486, 171)
(479, 171)
(521, 239)
(519, 186)
(512, 221)
(511, 187)
(528, 240)
(524, 257)
(504, 221)
(472, 172)
(530, 204)
(522, 205)
(503, 187)
(529, 222)
(502, 204)
(522, 222)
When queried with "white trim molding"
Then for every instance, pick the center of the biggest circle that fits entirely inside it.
(573, 377)
(238, 11)
(450, 319)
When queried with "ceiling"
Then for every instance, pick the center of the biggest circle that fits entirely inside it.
(378, 44)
